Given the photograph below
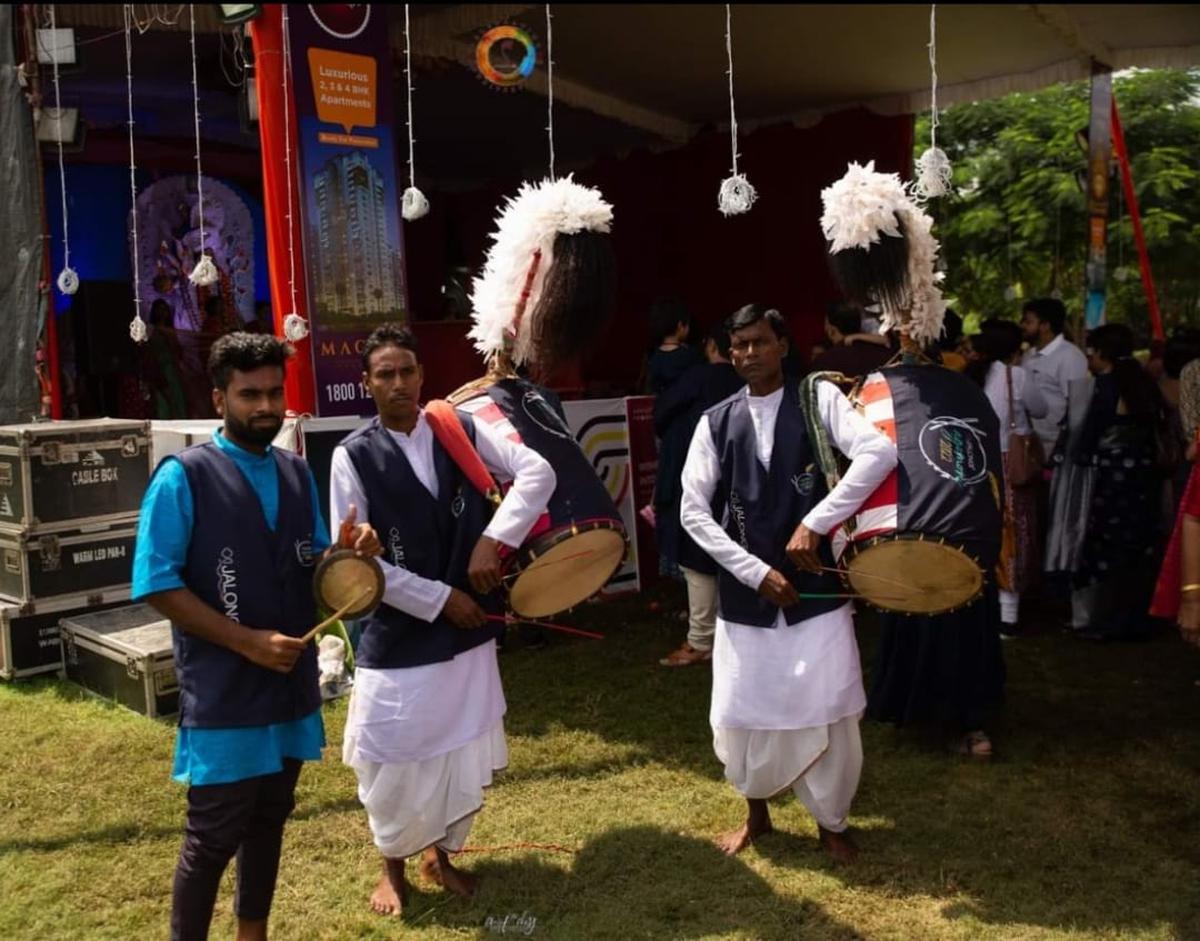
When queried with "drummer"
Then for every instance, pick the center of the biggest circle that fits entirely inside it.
(787, 684)
(425, 728)
(238, 596)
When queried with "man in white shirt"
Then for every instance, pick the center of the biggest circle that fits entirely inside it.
(425, 728)
(1054, 362)
(787, 683)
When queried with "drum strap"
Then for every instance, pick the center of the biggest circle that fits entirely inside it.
(444, 422)
(817, 433)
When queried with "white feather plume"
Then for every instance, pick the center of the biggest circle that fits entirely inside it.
(527, 223)
(865, 206)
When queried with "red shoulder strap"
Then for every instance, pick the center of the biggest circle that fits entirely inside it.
(444, 422)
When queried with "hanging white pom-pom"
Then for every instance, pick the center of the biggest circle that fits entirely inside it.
(295, 328)
(413, 204)
(933, 174)
(1121, 274)
(205, 272)
(1010, 293)
(736, 196)
(137, 330)
(68, 280)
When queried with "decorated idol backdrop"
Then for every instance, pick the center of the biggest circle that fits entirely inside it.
(350, 191)
(168, 227)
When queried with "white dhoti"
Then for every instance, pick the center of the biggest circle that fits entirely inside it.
(785, 711)
(424, 742)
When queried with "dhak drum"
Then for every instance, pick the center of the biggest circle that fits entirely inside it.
(580, 541)
(348, 583)
(923, 542)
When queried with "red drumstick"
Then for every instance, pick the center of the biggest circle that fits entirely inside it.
(508, 619)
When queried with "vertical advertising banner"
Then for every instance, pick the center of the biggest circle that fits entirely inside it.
(600, 427)
(1099, 160)
(349, 191)
(643, 457)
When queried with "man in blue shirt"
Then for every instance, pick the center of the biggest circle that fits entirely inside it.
(228, 536)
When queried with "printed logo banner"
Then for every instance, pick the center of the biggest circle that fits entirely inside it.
(349, 191)
(602, 430)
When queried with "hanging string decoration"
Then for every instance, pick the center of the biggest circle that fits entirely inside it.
(550, 89)
(68, 279)
(205, 272)
(295, 326)
(736, 194)
(883, 251)
(137, 326)
(933, 166)
(413, 204)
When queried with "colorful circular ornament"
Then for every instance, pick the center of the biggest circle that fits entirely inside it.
(506, 55)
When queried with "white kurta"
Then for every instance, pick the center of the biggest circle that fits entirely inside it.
(425, 740)
(780, 694)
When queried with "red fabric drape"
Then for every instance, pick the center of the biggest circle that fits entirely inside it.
(266, 33)
(1170, 577)
(669, 238)
(1135, 216)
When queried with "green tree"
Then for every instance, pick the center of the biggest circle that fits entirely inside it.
(1016, 224)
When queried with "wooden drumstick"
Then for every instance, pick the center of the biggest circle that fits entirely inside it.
(338, 613)
(565, 558)
(882, 578)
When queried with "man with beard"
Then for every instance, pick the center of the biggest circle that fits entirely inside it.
(225, 549)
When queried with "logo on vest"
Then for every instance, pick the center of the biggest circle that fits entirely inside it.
(804, 483)
(395, 549)
(738, 513)
(457, 505)
(542, 415)
(304, 551)
(953, 447)
(227, 583)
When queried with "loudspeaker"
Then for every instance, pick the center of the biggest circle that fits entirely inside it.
(102, 311)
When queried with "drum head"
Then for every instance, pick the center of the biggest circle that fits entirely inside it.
(908, 575)
(567, 573)
(344, 578)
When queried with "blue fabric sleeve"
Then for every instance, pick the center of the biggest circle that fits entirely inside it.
(164, 532)
(320, 537)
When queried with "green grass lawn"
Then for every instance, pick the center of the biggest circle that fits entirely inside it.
(1085, 826)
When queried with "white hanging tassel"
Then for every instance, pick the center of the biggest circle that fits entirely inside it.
(205, 272)
(413, 204)
(736, 194)
(933, 166)
(295, 328)
(137, 326)
(68, 281)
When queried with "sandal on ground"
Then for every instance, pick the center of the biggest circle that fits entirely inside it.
(975, 745)
(685, 656)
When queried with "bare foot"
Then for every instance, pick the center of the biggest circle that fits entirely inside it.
(840, 846)
(391, 893)
(436, 867)
(758, 822)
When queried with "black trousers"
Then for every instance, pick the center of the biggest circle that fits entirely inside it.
(245, 819)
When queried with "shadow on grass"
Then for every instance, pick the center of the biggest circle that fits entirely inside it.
(628, 883)
(1089, 804)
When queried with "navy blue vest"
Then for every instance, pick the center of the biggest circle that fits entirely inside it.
(259, 577)
(431, 538)
(763, 509)
(579, 493)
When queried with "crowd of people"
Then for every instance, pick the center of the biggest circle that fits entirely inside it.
(1096, 450)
